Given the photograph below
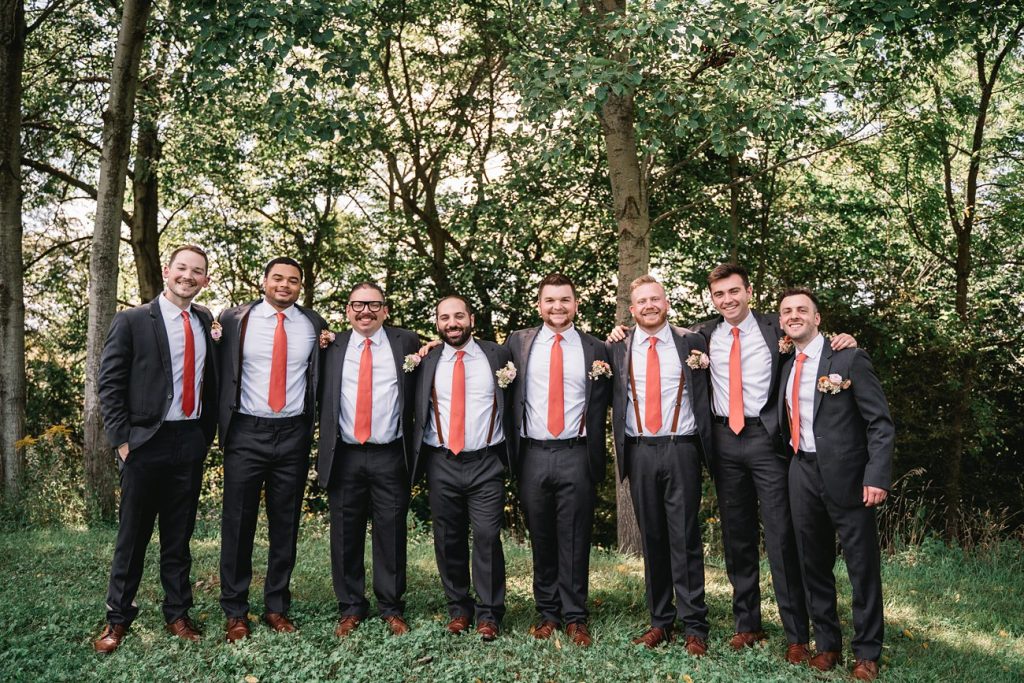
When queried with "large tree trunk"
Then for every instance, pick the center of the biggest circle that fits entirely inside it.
(103, 262)
(145, 235)
(12, 300)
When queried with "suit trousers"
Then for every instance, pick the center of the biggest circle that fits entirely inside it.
(369, 482)
(749, 473)
(468, 492)
(557, 493)
(161, 478)
(818, 520)
(665, 482)
(269, 456)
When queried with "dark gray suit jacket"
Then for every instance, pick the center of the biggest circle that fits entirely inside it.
(230, 363)
(696, 380)
(403, 342)
(497, 357)
(135, 383)
(853, 431)
(595, 404)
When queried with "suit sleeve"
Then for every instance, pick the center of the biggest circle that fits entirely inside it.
(115, 373)
(881, 433)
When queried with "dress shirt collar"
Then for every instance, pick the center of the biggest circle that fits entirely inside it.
(377, 338)
(663, 335)
(471, 349)
(170, 309)
(267, 311)
(569, 335)
(747, 325)
(813, 350)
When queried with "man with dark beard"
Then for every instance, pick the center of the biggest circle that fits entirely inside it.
(459, 443)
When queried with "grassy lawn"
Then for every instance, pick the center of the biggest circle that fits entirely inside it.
(949, 617)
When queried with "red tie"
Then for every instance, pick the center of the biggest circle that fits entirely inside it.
(556, 399)
(279, 367)
(652, 392)
(364, 395)
(794, 404)
(188, 378)
(735, 384)
(457, 435)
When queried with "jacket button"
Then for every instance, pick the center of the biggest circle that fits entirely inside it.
(170, 395)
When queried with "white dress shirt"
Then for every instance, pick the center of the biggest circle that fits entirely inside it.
(671, 371)
(574, 384)
(808, 385)
(258, 351)
(385, 418)
(479, 399)
(176, 342)
(755, 362)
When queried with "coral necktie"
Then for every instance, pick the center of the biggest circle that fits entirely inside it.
(457, 435)
(652, 390)
(188, 378)
(794, 404)
(364, 395)
(278, 367)
(735, 384)
(556, 397)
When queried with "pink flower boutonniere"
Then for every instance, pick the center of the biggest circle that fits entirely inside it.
(326, 338)
(698, 360)
(505, 375)
(216, 331)
(785, 345)
(599, 369)
(833, 384)
(411, 362)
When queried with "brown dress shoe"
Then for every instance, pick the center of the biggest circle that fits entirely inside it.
(279, 622)
(458, 624)
(797, 653)
(488, 631)
(346, 625)
(865, 670)
(183, 628)
(827, 660)
(397, 625)
(696, 646)
(653, 637)
(747, 639)
(238, 629)
(110, 639)
(543, 630)
(579, 634)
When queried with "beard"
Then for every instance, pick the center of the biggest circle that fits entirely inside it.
(455, 337)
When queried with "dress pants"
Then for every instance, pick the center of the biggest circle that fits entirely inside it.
(368, 482)
(468, 491)
(161, 478)
(269, 455)
(748, 473)
(818, 520)
(665, 482)
(557, 494)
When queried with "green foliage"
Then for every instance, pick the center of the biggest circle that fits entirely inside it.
(52, 489)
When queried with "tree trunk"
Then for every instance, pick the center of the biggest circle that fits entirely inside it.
(103, 262)
(145, 235)
(734, 209)
(12, 296)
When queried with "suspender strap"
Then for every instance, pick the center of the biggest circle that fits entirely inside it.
(679, 399)
(437, 415)
(494, 414)
(636, 401)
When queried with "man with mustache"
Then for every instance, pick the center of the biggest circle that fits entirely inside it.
(835, 422)
(271, 363)
(459, 443)
(662, 428)
(158, 395)
(365, 449)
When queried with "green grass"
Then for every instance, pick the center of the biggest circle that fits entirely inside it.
(949, 617)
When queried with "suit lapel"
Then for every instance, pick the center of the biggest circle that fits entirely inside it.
(683, 349)
(341, 341)
(625, 352)
(824, 365)
(160, 332)
(428, 373)
(396, 352)
(588, 362)
(529, 336)
(770, 334)
(492, 360)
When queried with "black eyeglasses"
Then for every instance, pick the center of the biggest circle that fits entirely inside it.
(358, 306)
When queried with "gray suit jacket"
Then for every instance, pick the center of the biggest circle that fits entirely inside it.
(135, 383)
(595, 404)
(696, 380)
(497, 357)
(230, 362)
(853, 431)
(403, 342)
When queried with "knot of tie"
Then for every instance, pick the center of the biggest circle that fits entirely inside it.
(735, 333)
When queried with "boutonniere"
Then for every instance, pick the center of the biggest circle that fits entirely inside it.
(216, 331)
(410, 362)
(506, 374)
(326, 338)
(833, 384)
(785, 345)
(599, 369)
(698, 360)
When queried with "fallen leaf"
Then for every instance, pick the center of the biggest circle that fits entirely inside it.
(925, 644)
(558, 643)
(425, 660)
(687, 679)
(908, 634)
(1003, 633)
(251, 679)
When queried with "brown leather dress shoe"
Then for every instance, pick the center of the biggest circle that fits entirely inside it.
(238, 629)
(747, 639)
(110, 639)
(865, 670)
(458, 624)
(653, 637)
(346, 625)
(488, 631)
(696, 646)
(797, 653)
(579, 634)
(397, 625)
(543, 630)
(183, 628)
(827, 660)
(279, 622)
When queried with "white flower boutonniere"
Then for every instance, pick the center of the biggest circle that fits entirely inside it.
(785, 345)
(698, 360)
(411, 362)
(833, 384)
(505, 375)
(216, 331)
(326, 338)
(599, 369)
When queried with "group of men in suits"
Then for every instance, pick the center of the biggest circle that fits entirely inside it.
(462, 411)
